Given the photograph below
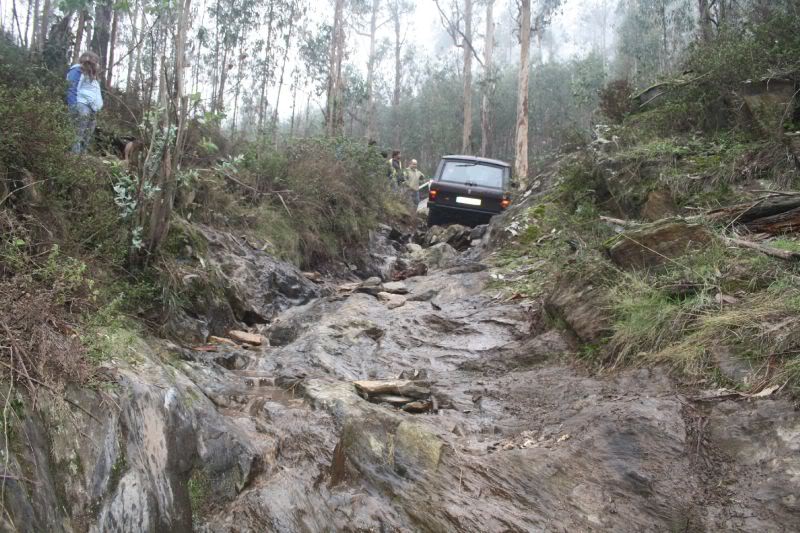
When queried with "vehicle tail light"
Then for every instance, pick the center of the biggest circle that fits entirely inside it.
(432, 195)
(505, 202)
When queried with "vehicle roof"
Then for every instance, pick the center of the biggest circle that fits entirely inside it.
(478, 160)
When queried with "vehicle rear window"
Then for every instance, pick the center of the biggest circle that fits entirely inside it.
(472, 174)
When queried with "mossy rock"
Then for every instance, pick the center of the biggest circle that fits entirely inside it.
(654, 245)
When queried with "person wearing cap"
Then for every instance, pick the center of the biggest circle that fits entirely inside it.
(413, 180)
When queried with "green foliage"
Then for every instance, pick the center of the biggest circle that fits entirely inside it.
(324, 194)
(199, 488)
(36, 133)
(615, 103)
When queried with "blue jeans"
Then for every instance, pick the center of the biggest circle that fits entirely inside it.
(84, 119)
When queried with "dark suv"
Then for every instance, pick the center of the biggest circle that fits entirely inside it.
(468, 189)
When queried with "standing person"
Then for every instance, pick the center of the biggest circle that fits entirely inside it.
(413, 180)
(84, 98)
(396, 168)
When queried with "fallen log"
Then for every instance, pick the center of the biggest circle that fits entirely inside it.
(761, 208)
(764, 249)
(394, 387)
(786, 222)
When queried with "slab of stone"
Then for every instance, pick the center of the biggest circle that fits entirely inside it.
(253, 339)
(395, 287)
(392, 301)
(653, 245)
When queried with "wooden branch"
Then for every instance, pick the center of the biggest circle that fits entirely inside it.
(763, 207)
(618, 221)
(452, 29)
(771, 251)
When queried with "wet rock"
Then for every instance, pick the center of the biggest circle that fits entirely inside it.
(395, 287)
(245, 284)
(455, 235)
(404, 269)
(245, 337)
(185, 328)
(437, 256)
(659, 205)
(580, 302)
(478, 232)
(413, 248)
(424, 296)
(417, 449)
(392, 301)
(655, 244)
(221, 340)
(281, 334)
(373, 286)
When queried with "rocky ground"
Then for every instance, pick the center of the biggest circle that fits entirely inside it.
(471, 418)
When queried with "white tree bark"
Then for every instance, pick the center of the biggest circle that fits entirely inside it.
(521, 144)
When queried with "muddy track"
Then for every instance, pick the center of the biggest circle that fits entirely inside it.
(519, 440)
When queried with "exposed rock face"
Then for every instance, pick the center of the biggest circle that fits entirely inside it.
(655, 244)
(277, 438)
(439, 255)
(123, 458)
(235, 284)
(659, 205)
(455, 235)
(582, 306)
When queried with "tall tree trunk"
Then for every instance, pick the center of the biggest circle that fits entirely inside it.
(76, 52)
(266, 76)
(102, 33)
(111, 46)
(27, 25)
(184, 20)
(44, 25)
(142, 18)
(488, 84)
(521, 145)
(36, 30)
(398, 73)
(466, 134)
(223, 77)
(287, 41)
(295, 83)
(704, 13)
(334, 90)
(373, 29)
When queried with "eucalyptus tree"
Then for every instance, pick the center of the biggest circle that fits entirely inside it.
(458, 13)
(543, 12)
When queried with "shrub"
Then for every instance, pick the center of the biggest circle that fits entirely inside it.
(36, 134)
(316, 200)
(615, 103)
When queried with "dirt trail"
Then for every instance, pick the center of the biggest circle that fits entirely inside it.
(520, 441)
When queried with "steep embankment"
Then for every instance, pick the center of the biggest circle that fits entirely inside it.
(491, 427)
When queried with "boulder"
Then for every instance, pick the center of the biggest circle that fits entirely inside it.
(392, 301)
(770, 102)
(437, 256)
(659, 205)
(395, 287)
(371, 286)
(455, 235)
(580, 303)
(654, 245)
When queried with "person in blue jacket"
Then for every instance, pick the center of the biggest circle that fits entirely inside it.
(84, 98)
